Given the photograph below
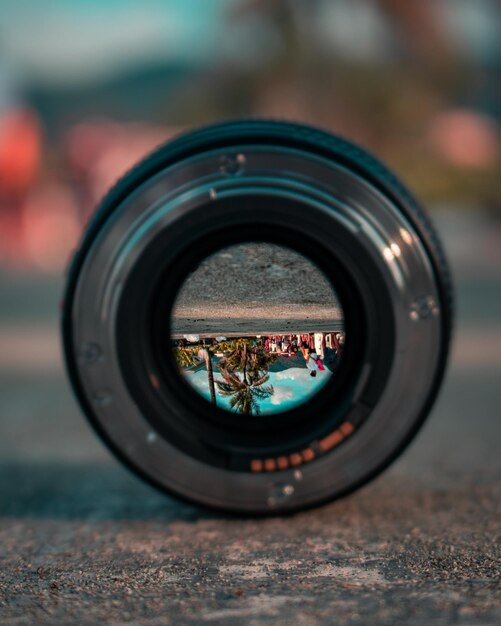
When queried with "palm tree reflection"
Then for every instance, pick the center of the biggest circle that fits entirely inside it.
(245, 372)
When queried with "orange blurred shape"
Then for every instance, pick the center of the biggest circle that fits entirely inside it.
(51, 226)
(466, 138)
(20, 150)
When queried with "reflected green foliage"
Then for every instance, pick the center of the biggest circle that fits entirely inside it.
(185, 357)
(245, 372)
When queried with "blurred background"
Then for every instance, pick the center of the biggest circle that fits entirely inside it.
(89, 87)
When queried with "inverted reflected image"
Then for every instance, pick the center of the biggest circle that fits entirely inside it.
(257, 329)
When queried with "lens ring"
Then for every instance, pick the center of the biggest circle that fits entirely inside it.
(331, 194)
(319, 410)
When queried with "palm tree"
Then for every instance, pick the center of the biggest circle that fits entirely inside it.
(244, 392)
(245, 374)
(210, 374)
(185, 357)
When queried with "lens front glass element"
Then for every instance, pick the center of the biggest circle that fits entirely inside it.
(257, 329)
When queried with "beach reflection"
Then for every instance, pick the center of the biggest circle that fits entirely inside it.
(259, 374)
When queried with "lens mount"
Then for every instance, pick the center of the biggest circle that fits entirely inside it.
(278, 183)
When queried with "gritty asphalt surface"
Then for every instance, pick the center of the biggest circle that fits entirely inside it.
(256, 288)
(82, 541)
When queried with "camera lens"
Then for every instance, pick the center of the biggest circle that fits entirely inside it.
(258, 317)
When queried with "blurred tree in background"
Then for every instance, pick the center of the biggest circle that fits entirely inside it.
(412, 105)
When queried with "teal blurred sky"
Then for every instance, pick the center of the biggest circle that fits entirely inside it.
(74, 40)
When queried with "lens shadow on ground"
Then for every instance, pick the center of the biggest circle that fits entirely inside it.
(100, 492)
(85, 491)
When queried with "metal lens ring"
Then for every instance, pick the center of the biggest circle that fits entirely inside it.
(325, 199)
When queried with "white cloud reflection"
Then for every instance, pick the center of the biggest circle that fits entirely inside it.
(292, 387)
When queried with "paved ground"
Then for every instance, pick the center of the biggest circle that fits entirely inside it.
(256, 289)
(84, 542)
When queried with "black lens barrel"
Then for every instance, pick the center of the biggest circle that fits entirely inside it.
(280, 183)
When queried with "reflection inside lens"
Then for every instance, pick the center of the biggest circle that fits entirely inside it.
(257, 329)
